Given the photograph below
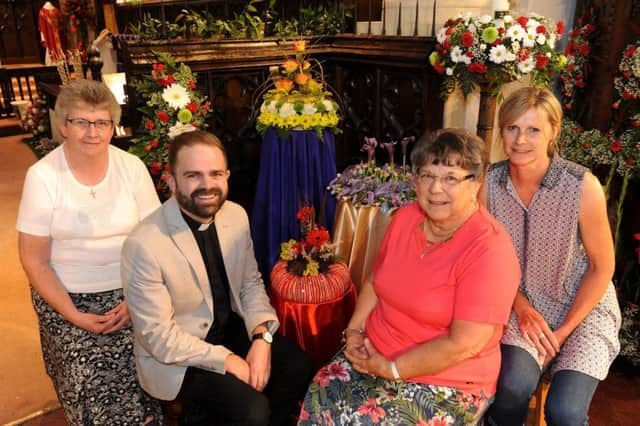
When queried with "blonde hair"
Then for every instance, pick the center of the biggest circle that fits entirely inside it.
(91, 93)
(522, 100)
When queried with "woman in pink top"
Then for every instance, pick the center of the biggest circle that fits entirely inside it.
(423, 343)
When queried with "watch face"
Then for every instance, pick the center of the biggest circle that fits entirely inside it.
(267, 337)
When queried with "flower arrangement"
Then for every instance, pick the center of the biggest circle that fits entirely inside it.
(173, 106)
(313, 254)
(366, 184)
(627, 82)
(79, 15)
(574, 77)
(299, 100)
(477, 51)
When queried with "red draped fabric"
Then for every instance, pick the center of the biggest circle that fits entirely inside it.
(316, 327)
(49, 25)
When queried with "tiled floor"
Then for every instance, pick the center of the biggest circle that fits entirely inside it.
(616, 403)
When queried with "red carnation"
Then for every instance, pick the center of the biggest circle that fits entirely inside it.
(615, 105)
(541, 61)
(522, 20)
(629, 161)
(192, 84)
(540, 29)
(467, 39)
(570, 50)
(305, 214)
(149, 124)
(523, 55)
(170, 80)
(477, 68)
(616, 146)
(635, 123)
(162, 116)
(629, 51)
(193, 107)
(154, 143)
(585, 145)
(584, 49)
(560, 27)
(438, 67)
(207, 106)
(317, 237)
(628, 96)
(580, 84)
(147, 148)
(158, 67)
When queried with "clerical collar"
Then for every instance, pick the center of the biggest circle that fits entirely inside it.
(194, 225)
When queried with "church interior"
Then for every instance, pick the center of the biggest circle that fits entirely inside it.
(390, 71)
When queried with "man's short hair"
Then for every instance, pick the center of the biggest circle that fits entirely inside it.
(190, 139)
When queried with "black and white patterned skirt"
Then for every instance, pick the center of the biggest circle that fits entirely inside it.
(94, 374)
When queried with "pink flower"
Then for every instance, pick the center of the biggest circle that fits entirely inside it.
(337, 370)
(304, 414)
(371, 409)
(322, 377)
(440, 421)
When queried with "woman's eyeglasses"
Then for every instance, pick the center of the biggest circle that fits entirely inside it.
(448, 181)
(83, 124)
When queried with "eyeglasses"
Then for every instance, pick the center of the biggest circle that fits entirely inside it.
(83, 124)
(448, 181)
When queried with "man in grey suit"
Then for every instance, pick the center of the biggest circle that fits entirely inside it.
(204, 328)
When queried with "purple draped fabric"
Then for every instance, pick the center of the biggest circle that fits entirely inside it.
(293, 172)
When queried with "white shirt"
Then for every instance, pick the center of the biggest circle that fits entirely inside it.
(87, 224)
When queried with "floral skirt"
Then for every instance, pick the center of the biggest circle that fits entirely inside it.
(94, 374)
(339, 395)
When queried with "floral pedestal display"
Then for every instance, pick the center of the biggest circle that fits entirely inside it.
(312, 291)
(313, 310)
(298, 119)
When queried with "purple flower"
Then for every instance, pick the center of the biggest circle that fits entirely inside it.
(390, 147)
(369, 147)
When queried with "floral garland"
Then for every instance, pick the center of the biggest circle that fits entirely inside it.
(173, 106)
(299, 100)
(313, 254)
(627, 82)
(576, 74)
(366, 184)
(477, 51)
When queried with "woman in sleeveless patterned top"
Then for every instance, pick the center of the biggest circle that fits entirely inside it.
(565, 318)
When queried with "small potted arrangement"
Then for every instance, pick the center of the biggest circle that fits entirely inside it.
(366, 184)
(308, 270)
(299, 99)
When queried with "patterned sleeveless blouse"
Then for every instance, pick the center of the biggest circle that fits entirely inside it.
(553, 261)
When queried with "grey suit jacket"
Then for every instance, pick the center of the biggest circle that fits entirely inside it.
(167, 289)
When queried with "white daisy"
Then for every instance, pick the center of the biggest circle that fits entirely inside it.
(516, 32)
(176, 96)
(508, 19)
(449, 71)
(180, 128)
(498, 54)
(526, 66)
(510, 57)
(541, 39)
(529, 38)
(552, 40)
(533, 23)
(484, 19)
(515, 47)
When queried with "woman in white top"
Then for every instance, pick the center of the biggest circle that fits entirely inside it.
(78, 205)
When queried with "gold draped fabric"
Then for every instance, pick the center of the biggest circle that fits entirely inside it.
(358, 233)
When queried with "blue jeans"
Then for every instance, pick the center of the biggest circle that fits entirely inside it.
(567, 402)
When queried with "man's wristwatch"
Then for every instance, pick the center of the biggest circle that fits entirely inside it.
(266, 336)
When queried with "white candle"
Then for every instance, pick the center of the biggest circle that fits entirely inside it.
(500, 5)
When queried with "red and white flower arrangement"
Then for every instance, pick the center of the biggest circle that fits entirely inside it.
(578, 51)
(627, 82)
(173, 106)
(474, 51)
(313, 254)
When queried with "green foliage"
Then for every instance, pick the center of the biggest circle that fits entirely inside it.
(325, 20)
(151, 28)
